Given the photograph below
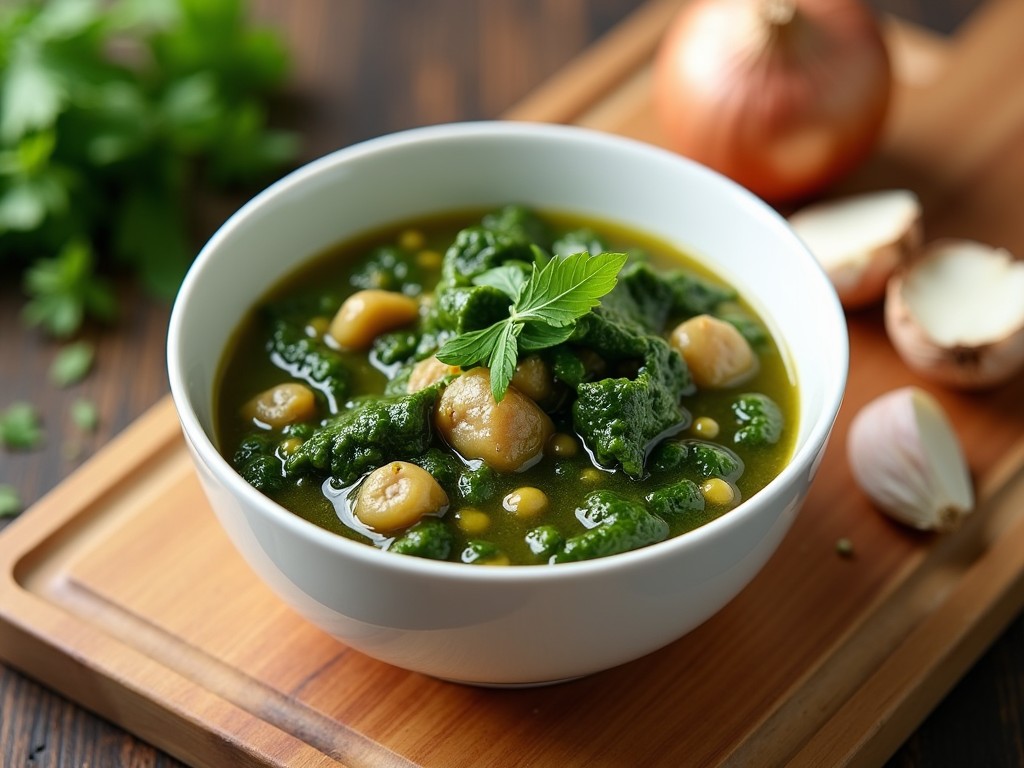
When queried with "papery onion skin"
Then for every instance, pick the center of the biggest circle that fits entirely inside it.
(785, 117)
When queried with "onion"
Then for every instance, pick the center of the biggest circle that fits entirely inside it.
(783, 96)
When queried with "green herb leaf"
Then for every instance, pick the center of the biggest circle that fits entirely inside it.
(65, 290)
(568, 287)
(502, 361)
(472, 347)
(32, 96)
(10, 501)
(507, 278)
(537, 336)
(543, 314)
(72, 364)
(116, 120)
(20, 427)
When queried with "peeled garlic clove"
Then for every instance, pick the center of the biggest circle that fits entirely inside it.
(861, 239)
(956, 315)
(906, 457)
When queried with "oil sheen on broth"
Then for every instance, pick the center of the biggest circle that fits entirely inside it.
(639, 452)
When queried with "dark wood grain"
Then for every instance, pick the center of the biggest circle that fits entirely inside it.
(363, 69)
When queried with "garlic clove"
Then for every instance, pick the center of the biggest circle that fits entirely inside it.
(860, 240)
(906, 457)
(956, 315)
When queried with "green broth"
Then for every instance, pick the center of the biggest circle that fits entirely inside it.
(312, 294)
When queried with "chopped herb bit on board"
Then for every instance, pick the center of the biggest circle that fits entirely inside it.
(20, 427)
(10, 501)
(72, 364)
(85, 415)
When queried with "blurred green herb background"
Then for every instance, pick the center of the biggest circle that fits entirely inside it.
(118, 120)
(113, 117)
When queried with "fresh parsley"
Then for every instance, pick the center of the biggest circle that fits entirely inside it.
(65, 289)
(545, 308)
(113, 117)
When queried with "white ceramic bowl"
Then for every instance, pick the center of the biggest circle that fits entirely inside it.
(517, 625)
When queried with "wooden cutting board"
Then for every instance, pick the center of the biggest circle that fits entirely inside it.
(119, 589)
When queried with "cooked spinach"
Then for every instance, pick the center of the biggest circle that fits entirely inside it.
(366, 436)
(429, 538)
(759, 418)
(312, 361)
(620, 525)
(631, 462)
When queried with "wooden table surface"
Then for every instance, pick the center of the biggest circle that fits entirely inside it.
(362, 69)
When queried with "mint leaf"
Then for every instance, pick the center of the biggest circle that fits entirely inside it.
(10, 501)
(71, 364)
(502, 361)
(539, 336)
(507, 278)
(544, 313)
(19, 427)
(568, 287)
(471, 348)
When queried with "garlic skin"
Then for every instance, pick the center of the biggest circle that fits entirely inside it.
(956, 315)
(906, 457)
(860, 240)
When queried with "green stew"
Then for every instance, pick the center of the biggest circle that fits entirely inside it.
(506, 387)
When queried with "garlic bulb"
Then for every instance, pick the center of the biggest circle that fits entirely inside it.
(956, 314)
(907, 459)
(861, 239)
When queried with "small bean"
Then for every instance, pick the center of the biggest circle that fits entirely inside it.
(717, 491)
(429, 260)
(563, 445)
(472, 520)
(526, 502)
(411, 239)
(707, 427)
(289, 446)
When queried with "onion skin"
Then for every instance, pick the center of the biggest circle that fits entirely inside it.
(785, 111)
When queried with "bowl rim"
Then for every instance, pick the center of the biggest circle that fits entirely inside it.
(800, 462)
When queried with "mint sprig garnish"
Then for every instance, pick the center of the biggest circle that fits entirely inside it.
(544, 311)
